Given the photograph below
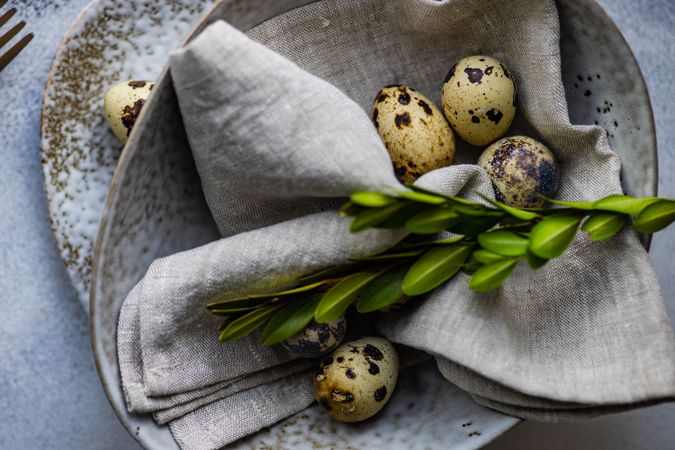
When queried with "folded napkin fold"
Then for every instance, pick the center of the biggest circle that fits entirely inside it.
(279, 146)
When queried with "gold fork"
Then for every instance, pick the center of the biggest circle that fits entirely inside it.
(10, 54)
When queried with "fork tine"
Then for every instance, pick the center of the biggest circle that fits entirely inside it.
(5, 38)
(6, 16)
(16, 48)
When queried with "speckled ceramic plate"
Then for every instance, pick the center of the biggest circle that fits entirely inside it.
(155, 207)
(111, 41)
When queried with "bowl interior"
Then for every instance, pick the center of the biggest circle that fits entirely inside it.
(155, 206)
(79, 153)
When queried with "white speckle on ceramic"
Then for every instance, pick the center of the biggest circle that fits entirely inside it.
(112, 41)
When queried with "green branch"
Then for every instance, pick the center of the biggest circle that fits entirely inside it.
(489, 243)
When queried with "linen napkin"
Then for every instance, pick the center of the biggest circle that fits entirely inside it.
(280, 137)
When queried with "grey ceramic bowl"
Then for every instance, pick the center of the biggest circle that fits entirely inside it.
(155, 208)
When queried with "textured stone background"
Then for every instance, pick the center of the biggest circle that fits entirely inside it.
(50, 396)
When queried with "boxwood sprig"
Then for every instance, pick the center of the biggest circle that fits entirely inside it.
(447, 235)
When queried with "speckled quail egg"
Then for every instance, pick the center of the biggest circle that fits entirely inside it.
(520, 168)
(357, 379)
(479, 99)
(317, 339)
(414, 131)
(122, 105)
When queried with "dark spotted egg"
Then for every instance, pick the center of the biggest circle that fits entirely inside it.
(479, 99)
(357, 379)
(122, 105)
(414, 131)
(317, 339)
(520, 168)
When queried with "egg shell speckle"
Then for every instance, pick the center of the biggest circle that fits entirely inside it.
(479, 99)
(317, 339)
(414, 131)
(357, 379)
(520, 168)
(122, 105)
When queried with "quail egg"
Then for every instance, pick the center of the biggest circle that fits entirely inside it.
(357, 379)
(520, 168)
(414, 131)
(317, 339)
(479, 99)
(122, 105)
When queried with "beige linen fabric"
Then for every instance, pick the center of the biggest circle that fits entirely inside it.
(279, 146)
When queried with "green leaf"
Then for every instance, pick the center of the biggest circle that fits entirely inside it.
(551, 237)
(503, 242)
(399, 219)
(471, 265)
(461, 201)
(235, 303)
(602, 225)
(556, 211)
(382, 292)
(472, 225)
(432, 221)
(337, 299)
(655, 217)
(373, 216)
(226, 321)
(228, 318)
(450, 240)
(297, 290)
(423, 197)
(392, 256)
(226, 311)
(584, 206)
(515, 212)
(252, 301)
(332, 273)
(406, 246)
(435, 267)
(624, 204)
(510, 210)
(476, 210)
(492, 275)
(486, 257)
(247, 323)
(351, 209)
(534, 261)
(452, 198)
(289, 320)
(372, 199)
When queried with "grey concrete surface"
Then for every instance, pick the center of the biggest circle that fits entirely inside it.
(50, 397)
(50, 394)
